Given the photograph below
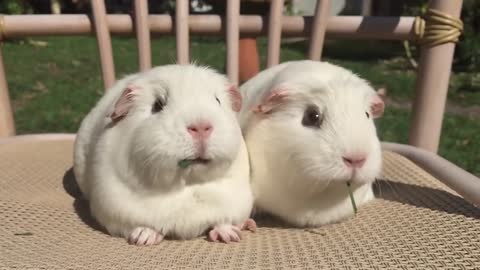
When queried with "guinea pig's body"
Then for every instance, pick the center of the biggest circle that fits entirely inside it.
(309, 131)
(130, 147)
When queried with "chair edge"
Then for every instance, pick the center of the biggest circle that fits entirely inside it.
(456, 178)
(38, 137)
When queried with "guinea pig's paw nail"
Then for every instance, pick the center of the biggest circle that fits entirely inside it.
(213, 235)
(235, 237)
(250, 225)
(158, 239)
(154, 240)
(142, 236)
(225, 233)
(236, 233)
(132, 238)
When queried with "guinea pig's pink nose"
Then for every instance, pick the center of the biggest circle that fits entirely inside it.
(200, 130)
(354, 161)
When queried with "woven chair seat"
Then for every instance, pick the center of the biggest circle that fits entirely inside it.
(414, 222)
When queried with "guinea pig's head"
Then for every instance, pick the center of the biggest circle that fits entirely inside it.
(319, 118)
(182, 121)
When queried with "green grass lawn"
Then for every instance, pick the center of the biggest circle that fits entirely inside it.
(53, 87)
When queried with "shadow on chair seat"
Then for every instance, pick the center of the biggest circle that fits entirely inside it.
(425, 197)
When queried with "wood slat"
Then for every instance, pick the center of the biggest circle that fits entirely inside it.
(317, 37)
(143, 35)
(350, 27)
(233, 35)
(274, 32)
(7, 125)
(431, 89)
(182, 34)
(104, 43)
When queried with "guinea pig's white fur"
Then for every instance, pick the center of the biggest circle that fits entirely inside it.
(129, 169)
(298, 172)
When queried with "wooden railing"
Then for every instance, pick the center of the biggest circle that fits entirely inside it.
(433, 70)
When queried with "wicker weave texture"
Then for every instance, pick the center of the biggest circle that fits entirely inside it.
(415, 223)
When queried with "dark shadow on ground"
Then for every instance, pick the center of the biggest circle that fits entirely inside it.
(70, 184)
(80, 204)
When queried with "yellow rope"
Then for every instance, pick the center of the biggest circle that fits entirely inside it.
(437, 28)
(2, 28)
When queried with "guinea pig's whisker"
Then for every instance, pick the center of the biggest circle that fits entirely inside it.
(148, 160)
(379, 185)
(392, 187)
(328, 170)
(328, 182)
(315, 187)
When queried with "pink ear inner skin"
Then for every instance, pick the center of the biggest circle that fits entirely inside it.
(236, 98)
(377, 106)
(123, 104)
(273, 99)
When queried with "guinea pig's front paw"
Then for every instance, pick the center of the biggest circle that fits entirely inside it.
(226, 233)
(143, 236)
(249, 225)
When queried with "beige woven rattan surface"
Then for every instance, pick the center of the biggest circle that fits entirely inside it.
(415, 223)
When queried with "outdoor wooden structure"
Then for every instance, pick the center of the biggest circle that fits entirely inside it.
(426, 185)
(434, 66)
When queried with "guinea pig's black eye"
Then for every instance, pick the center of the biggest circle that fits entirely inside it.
(218, 100)
(312, 117)
(368, 115)
(157, 106)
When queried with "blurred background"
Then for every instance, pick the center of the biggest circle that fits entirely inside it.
(54, 81)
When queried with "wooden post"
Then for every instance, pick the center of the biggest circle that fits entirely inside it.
(274, 32)
(317, 37)
(142, 30)
(233, 33)
(104, 43)
(182, 31)
(432, 85)
(7, 125)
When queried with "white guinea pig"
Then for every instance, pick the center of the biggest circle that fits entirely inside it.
(309, 131)
(161, 154)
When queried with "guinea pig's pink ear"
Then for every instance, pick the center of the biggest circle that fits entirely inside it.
(124, 103)
(377, 106)
(274, 98)
(236, 98)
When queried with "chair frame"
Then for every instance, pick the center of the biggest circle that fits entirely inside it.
(431, 83)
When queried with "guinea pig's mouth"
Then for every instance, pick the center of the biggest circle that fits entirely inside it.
(200, 160)
(187, 162)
